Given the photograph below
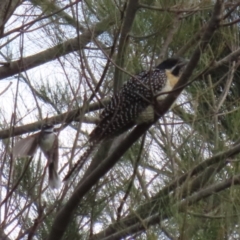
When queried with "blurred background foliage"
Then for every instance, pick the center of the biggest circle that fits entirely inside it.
(137, 198)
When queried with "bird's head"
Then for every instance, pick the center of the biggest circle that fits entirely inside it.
(47, 127)
(175, 65)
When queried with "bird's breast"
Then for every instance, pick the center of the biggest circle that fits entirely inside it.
(46, 141)
(170, 83)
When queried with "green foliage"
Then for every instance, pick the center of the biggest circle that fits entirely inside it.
(167, 186)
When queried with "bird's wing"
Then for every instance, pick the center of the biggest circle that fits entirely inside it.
(25, 147)
(118, 116)
(121, 112)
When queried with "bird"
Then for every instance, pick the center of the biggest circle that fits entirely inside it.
(133, 104)
(47, 140)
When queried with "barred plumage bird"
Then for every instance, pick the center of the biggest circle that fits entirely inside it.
(133, 104)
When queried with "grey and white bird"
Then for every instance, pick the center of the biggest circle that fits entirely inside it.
(47, 140)
(133, 104)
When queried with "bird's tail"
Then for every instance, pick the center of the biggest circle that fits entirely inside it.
(78, 165)
(54, 180)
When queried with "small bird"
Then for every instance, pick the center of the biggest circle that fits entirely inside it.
(47, 140)
(133, 104)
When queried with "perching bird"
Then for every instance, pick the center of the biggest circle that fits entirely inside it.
(47, 140)
(133, 104)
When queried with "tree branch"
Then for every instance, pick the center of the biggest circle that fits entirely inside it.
(127, 25)
(66, 117)
(6, 10)
(124, 229)
(71, 45)
(157, 201)
(64, 216)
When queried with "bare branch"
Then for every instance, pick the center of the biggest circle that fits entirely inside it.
(63, 218)
(123, 42)
(6, 10)
(66, 117)
(53, 53)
